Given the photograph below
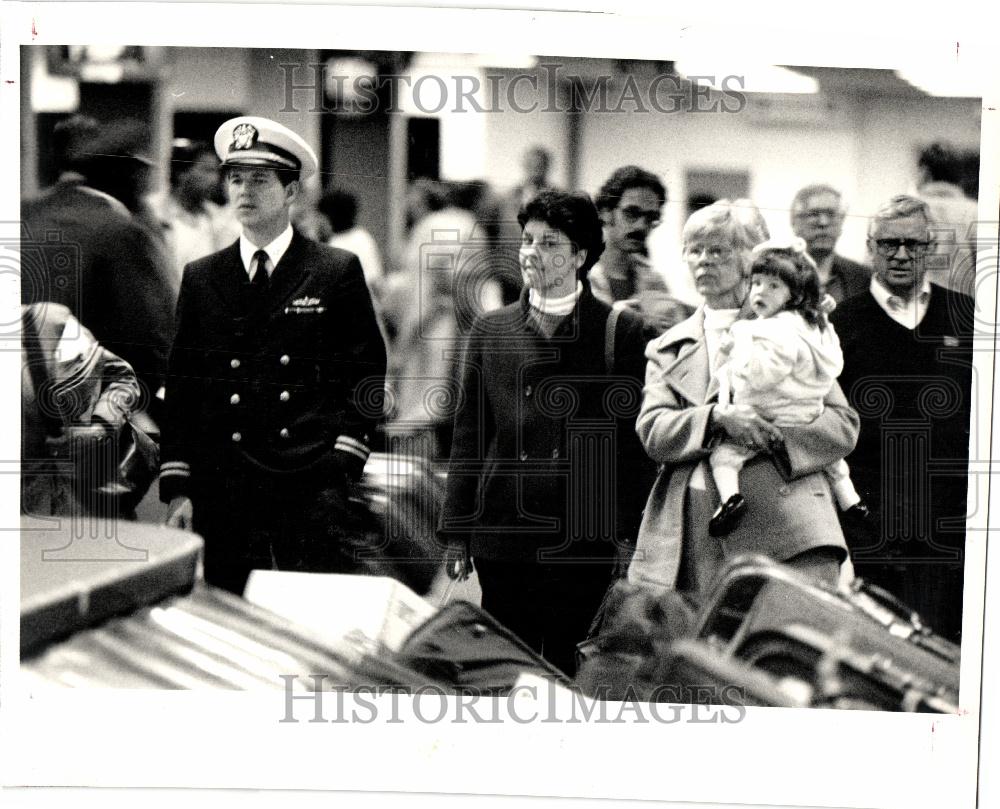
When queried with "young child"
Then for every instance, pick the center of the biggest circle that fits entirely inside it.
(783, 363)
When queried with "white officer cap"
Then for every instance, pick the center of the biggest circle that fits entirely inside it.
(252, 141)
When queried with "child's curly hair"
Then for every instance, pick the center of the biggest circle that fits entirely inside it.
(789, 261)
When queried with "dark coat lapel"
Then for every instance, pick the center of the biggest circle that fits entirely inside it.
(288, 276)
(290, 273)
(229, 278)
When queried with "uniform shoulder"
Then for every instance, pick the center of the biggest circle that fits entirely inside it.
(335, 263)
(213, 262)
(324, 253)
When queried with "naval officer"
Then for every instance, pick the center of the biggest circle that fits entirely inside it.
(275, 377)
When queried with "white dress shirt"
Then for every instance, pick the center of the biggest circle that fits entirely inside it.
(275, 250)
(907, 313)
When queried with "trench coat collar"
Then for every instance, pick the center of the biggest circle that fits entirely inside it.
(689, 373)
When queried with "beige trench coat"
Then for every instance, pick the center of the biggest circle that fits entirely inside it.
(790, 510)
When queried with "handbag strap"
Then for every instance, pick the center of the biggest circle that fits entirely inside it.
(610, 329)
(38, 367)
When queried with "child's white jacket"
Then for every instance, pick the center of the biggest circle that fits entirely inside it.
(782, 366)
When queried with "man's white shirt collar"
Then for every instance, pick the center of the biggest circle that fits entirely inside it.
(275, 250)
(908, 314)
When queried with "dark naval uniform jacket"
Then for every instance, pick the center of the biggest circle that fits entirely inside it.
(272, 395)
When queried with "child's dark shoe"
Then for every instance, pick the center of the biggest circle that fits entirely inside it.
(858, 514)
(727, 516)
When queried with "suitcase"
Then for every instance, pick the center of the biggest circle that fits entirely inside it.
(694, 673)
(835, 675)
(128, 610)
(468, 649)
(759, 608)
(78, 572)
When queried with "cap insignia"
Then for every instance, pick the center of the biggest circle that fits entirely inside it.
(244, 137)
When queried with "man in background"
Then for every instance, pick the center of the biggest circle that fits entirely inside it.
(340, 207)
(908, 372)
(193, 225)
(818, 218)
(95, 255)
(953, 262)
(631, 204)
(536, 163)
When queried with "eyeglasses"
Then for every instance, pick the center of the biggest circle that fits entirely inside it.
(715, 252)
(633, 214)
(819, 213)
(889, 247)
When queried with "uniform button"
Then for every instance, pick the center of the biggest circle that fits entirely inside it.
(285, 359)
(237, 437)
(234, 399)
(527, 390)
(555, 453)
(283, 432)
(285, 396)
(524, 456)
(234, 363)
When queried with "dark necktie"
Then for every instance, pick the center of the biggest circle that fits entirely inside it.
(259, 261)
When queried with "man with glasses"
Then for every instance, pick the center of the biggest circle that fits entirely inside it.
(908, 371)
(818, 218)
(630, 204)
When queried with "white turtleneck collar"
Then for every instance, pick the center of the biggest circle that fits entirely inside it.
(559, 307)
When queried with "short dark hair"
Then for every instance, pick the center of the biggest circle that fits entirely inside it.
(285, 176)
(798, 272)
(942, 162)
(340, 207)
(103, 152)
(622, 180)
(184, 153)
(573, 214)
(71, 139)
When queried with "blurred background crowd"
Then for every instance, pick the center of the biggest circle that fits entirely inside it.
(422, 186)
(425, 189)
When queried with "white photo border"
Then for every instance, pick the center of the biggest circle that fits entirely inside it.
(784, 757)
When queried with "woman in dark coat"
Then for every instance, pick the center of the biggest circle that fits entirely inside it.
(547, 480)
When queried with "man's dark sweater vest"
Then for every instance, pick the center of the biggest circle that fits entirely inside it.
(912, 392)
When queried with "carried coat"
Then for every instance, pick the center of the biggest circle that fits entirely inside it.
(545, 464)
(88, 385)
(790, 510)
